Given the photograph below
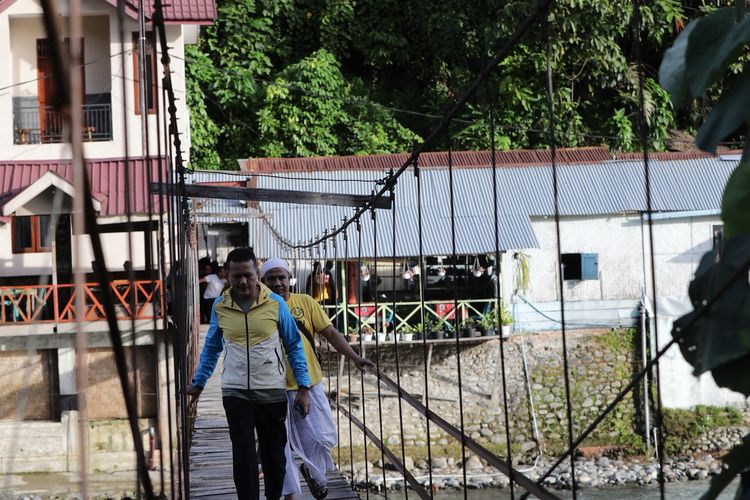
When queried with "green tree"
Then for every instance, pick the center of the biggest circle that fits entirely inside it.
(340, 77)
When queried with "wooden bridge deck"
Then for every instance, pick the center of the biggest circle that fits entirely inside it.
(211, 453)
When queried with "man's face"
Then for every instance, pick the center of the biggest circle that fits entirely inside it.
(243, 278)
(277, 280)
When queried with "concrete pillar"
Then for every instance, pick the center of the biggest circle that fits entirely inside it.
(66, 370)
(71, 440)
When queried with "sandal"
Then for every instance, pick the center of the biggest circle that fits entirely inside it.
(319, 491)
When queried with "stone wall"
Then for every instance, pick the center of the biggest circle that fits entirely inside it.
(600, 364)
(31, 388)
(29, 385)
(104, 392)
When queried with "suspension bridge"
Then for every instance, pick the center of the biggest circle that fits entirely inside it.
(395, 233)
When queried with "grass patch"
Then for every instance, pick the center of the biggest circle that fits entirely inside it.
(617, 340)
(682, 426)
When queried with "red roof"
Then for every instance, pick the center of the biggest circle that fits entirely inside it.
(181, 11)
(175, 11)
(107, 178)
(438, 159)
(512, 158)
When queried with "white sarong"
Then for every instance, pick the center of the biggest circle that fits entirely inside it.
(311, 438)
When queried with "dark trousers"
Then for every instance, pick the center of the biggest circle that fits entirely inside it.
(243, 417)
(206, 305)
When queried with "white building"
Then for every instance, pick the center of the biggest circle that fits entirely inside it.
(605, 239)
(37, 306)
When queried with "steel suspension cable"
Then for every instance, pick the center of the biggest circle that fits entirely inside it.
(361, 374)
(454, 288)
(391, 183)
(376, 277)
(560, 280)
(348, 367)
(338, 361)
(159, 263)
(644, 133)
(420, 236)
(170, 305)
(163, 241)
(498, 290)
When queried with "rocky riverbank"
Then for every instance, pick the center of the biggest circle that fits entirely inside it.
(590, 472)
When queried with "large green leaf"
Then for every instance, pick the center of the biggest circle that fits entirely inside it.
(735, 205)
(735, 462)
(731, 111)
(711, 48)
(672, 68)
(721, 334)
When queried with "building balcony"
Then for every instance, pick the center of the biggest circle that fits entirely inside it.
(136, 300)
(36, 125)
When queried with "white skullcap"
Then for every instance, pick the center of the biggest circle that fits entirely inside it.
(273, 263)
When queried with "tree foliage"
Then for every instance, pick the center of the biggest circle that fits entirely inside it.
(295, 77)
(715, 337)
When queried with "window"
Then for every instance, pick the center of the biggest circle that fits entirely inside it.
(30, 234)
(580, 266)
(150, 73)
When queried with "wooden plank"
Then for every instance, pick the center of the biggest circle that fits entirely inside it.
(211, 476)
(278, 196)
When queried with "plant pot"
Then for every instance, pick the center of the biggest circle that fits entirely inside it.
(434, 335)
(381, 337)
(366, 337)
(353, 337)
(407, 337)
(470, 332)
(505, 331)
(449, 335)
(489, 332)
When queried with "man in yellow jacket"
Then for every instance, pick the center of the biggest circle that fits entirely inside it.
(311, 438)
(261, 342)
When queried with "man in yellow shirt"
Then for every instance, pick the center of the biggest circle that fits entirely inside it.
(311, 438)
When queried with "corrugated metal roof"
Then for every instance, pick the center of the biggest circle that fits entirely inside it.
(607, 187)
(619, 186)
(438, 159)
(107, 177)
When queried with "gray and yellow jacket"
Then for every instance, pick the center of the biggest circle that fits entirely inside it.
(255, 342)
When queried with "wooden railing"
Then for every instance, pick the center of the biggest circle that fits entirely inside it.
(384, 318)
(57, 303)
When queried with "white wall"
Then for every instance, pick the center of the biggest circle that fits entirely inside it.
(115, 248)
(24, 264)
(679, 387)
(621, 242)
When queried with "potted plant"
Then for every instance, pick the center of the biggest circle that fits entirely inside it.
(419, 331)
(353, 334)
(448, 331)
(407, 333)
(489, 323)
(433, 329)
(469, 327)
(506, 319)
